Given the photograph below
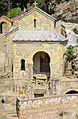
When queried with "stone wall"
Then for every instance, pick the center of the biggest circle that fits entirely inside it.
(22, 51)
(2, 52)
(27, 22)
(5, 64)
(50, 107)
(7, 21)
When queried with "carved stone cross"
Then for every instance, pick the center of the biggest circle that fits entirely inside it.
(35, 3)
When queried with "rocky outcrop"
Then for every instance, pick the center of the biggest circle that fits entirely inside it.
(67, 11)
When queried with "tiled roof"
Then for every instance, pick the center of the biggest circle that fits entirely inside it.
(4, 17)
(38, 35)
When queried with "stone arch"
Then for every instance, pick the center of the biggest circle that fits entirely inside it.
(41, 63)
(72, 91)
(7, 21)
(2, 28)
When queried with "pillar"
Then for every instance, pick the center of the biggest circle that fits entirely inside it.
(30, 70)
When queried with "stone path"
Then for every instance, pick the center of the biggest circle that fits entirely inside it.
(10, 110)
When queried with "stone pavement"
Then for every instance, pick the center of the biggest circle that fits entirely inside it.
(10, 110)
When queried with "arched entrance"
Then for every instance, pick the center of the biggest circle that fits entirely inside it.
(72, 92)
(3, 27)
(41, 63)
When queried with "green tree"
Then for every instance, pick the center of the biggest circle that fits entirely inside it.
(20, 3)
(69, 54)
(14, 12)
(3, 7)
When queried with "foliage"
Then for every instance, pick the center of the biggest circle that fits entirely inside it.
(69, 54)
(14, 12)
(19, 3)
(9, 100)
(73, 71)
(4, 114)
(59, 1)
(4, 25)
(40, 3)
(3, 7)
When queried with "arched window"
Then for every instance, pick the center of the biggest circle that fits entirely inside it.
(34, 23)
(22, 64)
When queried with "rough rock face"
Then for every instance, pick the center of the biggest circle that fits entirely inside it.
(71, 35)
(71, 32)
(67, 11)
(72, 66)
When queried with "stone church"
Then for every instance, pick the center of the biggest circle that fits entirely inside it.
(34, 54)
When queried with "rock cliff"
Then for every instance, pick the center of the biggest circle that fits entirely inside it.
(66, 11)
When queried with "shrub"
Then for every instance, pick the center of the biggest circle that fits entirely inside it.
(14, 12)
(70, 54)
(9, 100)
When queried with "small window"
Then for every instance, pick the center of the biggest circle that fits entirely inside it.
(55, 24)
(34, 23)
(22, 64)
(38, 95)
(12, 70)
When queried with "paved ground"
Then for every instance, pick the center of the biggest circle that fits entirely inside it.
(9, 110)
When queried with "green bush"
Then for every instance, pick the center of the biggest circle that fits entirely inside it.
(70, 54)
(14, 12)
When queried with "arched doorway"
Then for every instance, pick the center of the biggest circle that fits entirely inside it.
(72, 92)
(3, 27)
(41, 63)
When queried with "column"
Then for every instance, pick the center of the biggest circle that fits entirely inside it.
(30, 70)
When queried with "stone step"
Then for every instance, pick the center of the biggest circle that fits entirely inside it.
(11, 112)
